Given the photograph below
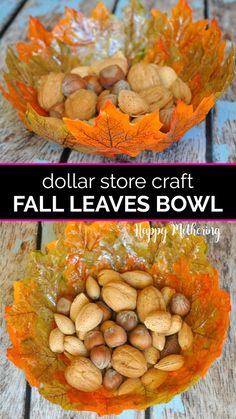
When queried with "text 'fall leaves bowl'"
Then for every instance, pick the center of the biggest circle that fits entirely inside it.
(194, 50)
(86, 249)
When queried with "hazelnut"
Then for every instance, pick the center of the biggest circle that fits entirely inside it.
(63, 306)
(105, 325)
(100, 356)
(140, 337)
(107, 313)
(93, 83)
(115, 336)
(92, 339)
(111, 75)
(83, 375)
(81, 105)
(120, 85)
(71, 83)
(50, 90)
(104, 98)
(127, 319)
(112, 379)
(180, 305)
(171, 346)
(57, 111)
(118, 58)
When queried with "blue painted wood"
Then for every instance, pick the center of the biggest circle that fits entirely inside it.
(8, 7)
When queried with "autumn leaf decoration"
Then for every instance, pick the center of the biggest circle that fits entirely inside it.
(195, 50)
(85, 249)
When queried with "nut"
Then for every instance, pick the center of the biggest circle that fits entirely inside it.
(117, 59)
(158, 340)
(100, 356)
(137, 279)
(81, 335)
(50, 90)
(185, 337)
(127, 319)
(131, 385)
(167, 293)
(63, 306)
(171, 346)
(131, 103)
(140, 337)
(71, 83)
(111, 75)
(152, 355)
(119, 296)
(56, 341)
(158, 321)
(153, 378)
(142, 76)
(82, 70)
(170, 363)
(65, 324)
(93, 83)
(88, 317)
(115, 336)
(179, 304)
(105, 325)
(81, 105)
(120, 85)
(181, 91)
(93, 338)
(74, 346)
(106, 98)
(107, 313)
(79, 301)
(167, 76)
(129, 361)
(176, 324)
(157, 96)
(83, 375)
(108, 275)
(149, 299)
(112, 379)
(92, 288)
(57, 111)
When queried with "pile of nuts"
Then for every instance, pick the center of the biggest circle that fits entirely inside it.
(139, 90)
(122, 333)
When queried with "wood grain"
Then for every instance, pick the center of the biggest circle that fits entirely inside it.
(16, 239)
(224, 120)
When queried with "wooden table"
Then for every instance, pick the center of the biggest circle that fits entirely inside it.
(213, 140)
(212, 398)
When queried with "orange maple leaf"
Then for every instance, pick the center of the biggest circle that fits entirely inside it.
(113, 133)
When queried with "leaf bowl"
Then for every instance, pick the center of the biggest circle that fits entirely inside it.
(85, 249)
(195, 50)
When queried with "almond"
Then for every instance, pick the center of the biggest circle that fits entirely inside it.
(92, 288)
(129, 361)
(176, 324)
(153, 378)
(88, 317)
(170, 363)
(74, 346)
(83, 375)
(108, 275)
(119, 296)
(65, 324)
(167, 293)
(116, 59)
(158, 321)
(137, 279)
(56, 341)
(157, 95)
(131, 385)
(77, 304)
(152, 355)
(82, 70)
(50, 90)
(181, 91)
(131, 103)
(149, 299)
(158, 340)
(185, 337)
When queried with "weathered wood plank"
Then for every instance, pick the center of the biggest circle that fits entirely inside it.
(213, 397)
(192, 147)
(224, 121)
(16, 239)
(16, 143)
(8, 8)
